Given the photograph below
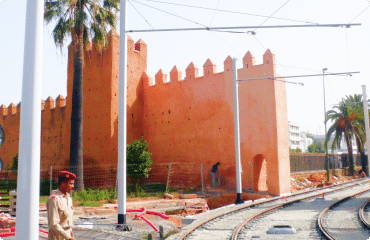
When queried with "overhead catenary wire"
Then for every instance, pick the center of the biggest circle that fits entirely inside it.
(167, 13)
(228, 11)
(240, 27)
(360, 14)
(309, 75)
(141, 15)
(327, 81)
(271, 78)
(272, 14)
(214, 14)
(224, 29)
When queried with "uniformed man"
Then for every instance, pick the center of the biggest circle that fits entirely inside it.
(60, 209)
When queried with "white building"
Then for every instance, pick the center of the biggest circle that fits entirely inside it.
(306, 140)
(297, 138)
(294, 138)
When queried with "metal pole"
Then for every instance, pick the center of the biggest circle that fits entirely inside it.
(326, 132)
(201, 175)
(366, 114)
(28, 188)
(237, 136)
(168, 177)
(51, 179)
(122, 117)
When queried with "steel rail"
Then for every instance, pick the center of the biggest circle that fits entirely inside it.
(325, 232)
(241, 226)
(186, 233)
(362, 216)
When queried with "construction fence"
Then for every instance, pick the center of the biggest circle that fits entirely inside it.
(164, 176)
(304, 162)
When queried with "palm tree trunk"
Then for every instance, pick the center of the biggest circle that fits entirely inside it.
(361, 150)
(76, 146)
(350, 154)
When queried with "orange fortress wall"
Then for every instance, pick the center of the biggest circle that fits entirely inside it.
(184, 119)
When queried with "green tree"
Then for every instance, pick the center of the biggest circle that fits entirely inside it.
(347, 125)
(15, 163)
(138, 160)
(296, 150)
(316, 147)
(81, 20)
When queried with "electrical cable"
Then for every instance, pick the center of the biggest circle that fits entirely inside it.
(347, 50)
(170, 13)
(272, 14)
(275, 58)
(360, 14)
(214, 13)
(234, 12)
(141, 15)
(225, 42)
(327, 80)
(226, 31)
(270, 78)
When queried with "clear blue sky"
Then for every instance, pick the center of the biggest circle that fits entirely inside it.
(298, 51)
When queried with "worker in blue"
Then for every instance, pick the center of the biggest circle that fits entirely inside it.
(214, 170)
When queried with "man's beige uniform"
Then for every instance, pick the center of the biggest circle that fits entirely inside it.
(60, 212)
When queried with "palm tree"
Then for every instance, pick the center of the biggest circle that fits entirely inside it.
(81, 20)
(355, 103)
(345, 124)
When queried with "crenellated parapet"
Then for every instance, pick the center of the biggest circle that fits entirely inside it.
(48, 104)
(210, 70)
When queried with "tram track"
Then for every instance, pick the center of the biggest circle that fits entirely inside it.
(229, 224)
(344, 219)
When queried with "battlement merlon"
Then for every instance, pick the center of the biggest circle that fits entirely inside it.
(3, 110)
(269, 60)
(140, 47)
(192, 71)
(12, 109)
(49, 103)
(248, 60)
(209, 68)
(161, 77)
(60, 101)
(175, 74)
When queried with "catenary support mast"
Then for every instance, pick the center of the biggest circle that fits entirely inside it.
(122, 116)
(28, 183)
(237, 136)
(366, 114)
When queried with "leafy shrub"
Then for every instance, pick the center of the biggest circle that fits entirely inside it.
(93, 195)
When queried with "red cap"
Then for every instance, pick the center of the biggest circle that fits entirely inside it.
(68, 175)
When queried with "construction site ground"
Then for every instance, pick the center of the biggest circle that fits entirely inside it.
(178, 206)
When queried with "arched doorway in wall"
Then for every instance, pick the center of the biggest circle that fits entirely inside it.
(259, 173)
